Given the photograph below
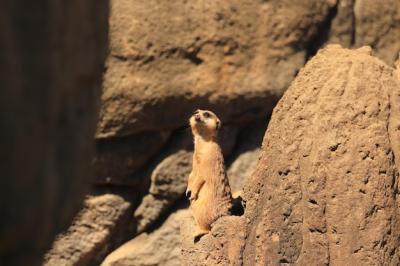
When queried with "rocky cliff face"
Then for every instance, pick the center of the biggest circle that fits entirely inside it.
(52, 55)
(238, 58)
(325, 189)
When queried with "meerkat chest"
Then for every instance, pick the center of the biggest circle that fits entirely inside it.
(207, 156)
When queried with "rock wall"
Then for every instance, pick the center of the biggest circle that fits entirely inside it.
(236, 58)
(180, 55)
(52, 55)
(325, 189)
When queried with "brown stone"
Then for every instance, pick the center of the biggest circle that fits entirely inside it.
(377, 25)
(235, 58)
(52, 59)
(101, 226)
(325, 189)
(342, 26)
(357, 23)
(222, 246)
(119, 158)
(244, 159)
(160, 247)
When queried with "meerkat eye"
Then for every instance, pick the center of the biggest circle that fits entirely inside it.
(206, 114)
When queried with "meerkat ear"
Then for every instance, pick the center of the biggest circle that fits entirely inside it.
(218, 125)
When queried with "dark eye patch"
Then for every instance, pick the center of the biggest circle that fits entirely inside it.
(207, 114)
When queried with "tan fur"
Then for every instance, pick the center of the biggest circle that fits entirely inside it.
(210, 193)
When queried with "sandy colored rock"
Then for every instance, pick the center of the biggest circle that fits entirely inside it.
(222, 246)
(101, 226)
(242, 54)
(377, 24)
(343, 23)
(160, 247)
(325, 189)
(119, 158)
(244, 159)
(168, 184)
(52, 59)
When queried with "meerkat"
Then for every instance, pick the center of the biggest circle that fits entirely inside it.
(208, 186)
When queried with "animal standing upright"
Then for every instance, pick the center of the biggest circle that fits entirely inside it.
(208, 186)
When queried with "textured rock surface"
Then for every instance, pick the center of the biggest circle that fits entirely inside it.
(244, 160)
(168, 184)
(342, 26)
(367, 22)
(222, 246)
(119, 158)
(325, 189)
(52, 55)
(161, 247)
(240, 54)
(100, 227)
(378, 25)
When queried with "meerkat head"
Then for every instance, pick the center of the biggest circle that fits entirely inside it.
(205, 123)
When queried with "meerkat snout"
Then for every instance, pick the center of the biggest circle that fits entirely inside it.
(197, 118)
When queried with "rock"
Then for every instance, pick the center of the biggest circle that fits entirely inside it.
(242, 168)
(397, 68)
(222, 246)
(343, 24)
(168, 184)
(52, 55)
(377, 25)
(101, 226)
(325, 189)
(149, 211)
(161, 247)
(170, 176)
(118, 158)
(245, 157)
(367, 22)
(237, 54)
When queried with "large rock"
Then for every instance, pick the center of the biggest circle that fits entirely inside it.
(103, 224)
(240, 54)
(325, 191)
(160, 247)
(52, 55)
